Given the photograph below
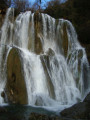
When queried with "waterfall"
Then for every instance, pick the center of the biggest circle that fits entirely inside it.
(5, 41)
(58, 74)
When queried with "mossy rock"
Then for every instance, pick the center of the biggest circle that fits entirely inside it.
(15, 87)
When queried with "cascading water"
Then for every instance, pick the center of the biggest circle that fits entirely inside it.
(5, 41)
(56, 75)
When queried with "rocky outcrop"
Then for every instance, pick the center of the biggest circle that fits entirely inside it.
(15, 87)
(78, 111)
(38, 21)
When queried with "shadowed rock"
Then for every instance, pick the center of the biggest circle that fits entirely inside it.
(78, 111)
(87, 99)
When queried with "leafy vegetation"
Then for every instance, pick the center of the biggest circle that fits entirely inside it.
(77, 11)
(20, 6)
(4, 4)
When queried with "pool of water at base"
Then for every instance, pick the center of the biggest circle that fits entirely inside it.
(22, 112)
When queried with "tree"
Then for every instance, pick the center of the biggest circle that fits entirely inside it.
(21, 5)
(53, 8)
(77, 11)
(4, 4)
(36, 5)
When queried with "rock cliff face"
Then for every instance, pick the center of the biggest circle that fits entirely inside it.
(15, 86)
(38, 29)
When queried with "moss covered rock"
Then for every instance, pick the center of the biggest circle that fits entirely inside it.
(15, 87)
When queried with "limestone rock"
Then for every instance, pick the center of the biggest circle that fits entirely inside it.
(65, 40)
(38, 29)
(15, 87)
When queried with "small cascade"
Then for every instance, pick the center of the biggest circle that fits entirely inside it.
(54, 64)
(21, 30)
(5, 42)
(34, 76)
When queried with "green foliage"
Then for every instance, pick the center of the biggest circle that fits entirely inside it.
(21, 5)
(77, 11)
(36, 6)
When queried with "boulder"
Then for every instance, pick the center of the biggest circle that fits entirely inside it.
(15, 89)
(78, 111)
